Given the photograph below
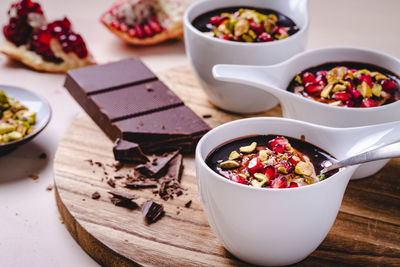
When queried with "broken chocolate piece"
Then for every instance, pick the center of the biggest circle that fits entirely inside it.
(206, 116)
(127, 101)
(96, 195)
(158, 164)
(152, 211)
(123, 199)
(128, 151)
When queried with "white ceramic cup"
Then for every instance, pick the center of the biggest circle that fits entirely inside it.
(280, 226)
(205, 51)
(275, 79)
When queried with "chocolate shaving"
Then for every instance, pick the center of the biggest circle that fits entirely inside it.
(123, 195)
(152, 211)
(128, 151)
(96, 195)
(98, 163)
(206, 116)
(140, 184)
(153, 168)
(111, 182)
(187, 204)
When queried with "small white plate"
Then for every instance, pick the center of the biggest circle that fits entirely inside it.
(34, 103)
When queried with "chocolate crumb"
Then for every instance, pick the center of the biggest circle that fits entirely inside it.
(49, 187)
(111, 182)
(83, 199)
(206, 116)
(149, 88)
(96, 195)
(152, 211)
(43, 156)
(118, 177)
(98, 163)
(187, 205)
(90, 161)
(34, 177)
(177, 212)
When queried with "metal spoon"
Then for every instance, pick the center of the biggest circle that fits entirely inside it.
(385, 152)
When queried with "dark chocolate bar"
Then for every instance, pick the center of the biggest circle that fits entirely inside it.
(127, 101)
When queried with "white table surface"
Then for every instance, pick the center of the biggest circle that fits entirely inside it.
(31, 233)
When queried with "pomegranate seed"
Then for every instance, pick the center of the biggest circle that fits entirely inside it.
(282, 31)
(355, 93)
(155, 26)
(270, 172)
(278, 141)
(279, 182)
(123, 27)
(215, 20)
(293, 184)
(368, 103)
(321, 73)
(225, 37)
(138, 30)
(308, 77)
(341, 96)
(353, 70)
(238, 179)
(293, 161)
(256, 27)
(255, 165)
(349, 103)
(115, 24)
(320, 81)
(283, 167)
(132, 32)
(279, 149)
(389, 86)
(265, 37)
(313, 89)
(365, 78)
(147, 30)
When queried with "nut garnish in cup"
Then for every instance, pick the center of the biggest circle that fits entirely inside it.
(269, 162)
(348, 84)
(246, 24)
(16, 121)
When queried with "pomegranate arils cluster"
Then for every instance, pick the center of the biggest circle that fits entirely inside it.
(60, 30)
(276, 165)
(24, 17)
(343, 86)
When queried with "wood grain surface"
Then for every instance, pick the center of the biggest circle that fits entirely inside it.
(366, 231)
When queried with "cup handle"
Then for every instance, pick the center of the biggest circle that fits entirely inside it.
(266, 78)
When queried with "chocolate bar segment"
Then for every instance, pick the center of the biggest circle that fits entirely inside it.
(127, 101)
(128, 151)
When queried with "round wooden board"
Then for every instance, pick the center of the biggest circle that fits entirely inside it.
(116, 236)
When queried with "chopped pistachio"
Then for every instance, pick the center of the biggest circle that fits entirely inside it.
(248, 149)
(321, 177)
(298, 79)
(335, 74)
(242, 175)
(336, 103)
(241, 27)
(273, 17)
(376, 89)
(261, 177)
(326, 91)
(26, 115)
(263, 155)
(379, 76)
(247, 38)
(309, 180)
(304, 168)
(15, 135)
(256, 183)
(234, 155)
(6, 128)
(365, 90)
(252, 34)
(339, 87)
(282, 170)
(350, 75)
(229, 164)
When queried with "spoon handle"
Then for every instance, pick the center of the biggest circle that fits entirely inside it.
(386, 152)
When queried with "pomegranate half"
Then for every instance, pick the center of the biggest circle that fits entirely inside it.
(146, 22)
(51, 47)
